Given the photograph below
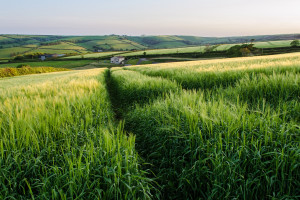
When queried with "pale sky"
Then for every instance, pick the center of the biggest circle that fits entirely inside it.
(151, 17)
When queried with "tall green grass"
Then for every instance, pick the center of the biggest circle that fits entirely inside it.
(216, 149)
(274, 89)
(58, 140)
(130, 88)
(216, 73)
(191, 79)
(236, 138)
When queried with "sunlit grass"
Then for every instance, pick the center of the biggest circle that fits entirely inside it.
(58, 140)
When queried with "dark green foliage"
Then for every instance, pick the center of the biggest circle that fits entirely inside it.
(22, 66)
(295, 43)
(240, 50)
(28, 56)
(19, 58)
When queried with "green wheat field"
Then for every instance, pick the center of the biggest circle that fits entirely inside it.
(211, 129)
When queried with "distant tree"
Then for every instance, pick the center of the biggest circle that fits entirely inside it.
(13, 54)
(144, 53)
(234, 51)
(240, 50)
(19, 58)
(23, 66)
(252, 40)
(208, 48)
(295, 43)
(245, 51)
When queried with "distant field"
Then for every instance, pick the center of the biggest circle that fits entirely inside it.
(11, 45)
(6, 53)
(63, 45)
(270, 44)
(112, 43)
(54, 51)
(167, 51)
(200, 49)
(273, 44)
(63, 48)
(57, 64)
(94, 55)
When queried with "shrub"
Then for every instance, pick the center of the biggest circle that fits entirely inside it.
(295, 43)
(23, 66)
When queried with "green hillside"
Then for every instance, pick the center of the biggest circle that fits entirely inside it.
(13, 45)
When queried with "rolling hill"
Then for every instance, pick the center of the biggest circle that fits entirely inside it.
(13, 45)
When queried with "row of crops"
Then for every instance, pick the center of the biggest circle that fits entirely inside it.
(59, 140)
(224, 129)
(230, 133)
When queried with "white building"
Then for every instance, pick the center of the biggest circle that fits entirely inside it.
(117, 60)
(43, 58)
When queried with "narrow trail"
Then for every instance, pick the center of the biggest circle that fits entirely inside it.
(112, 96)
(119, 116)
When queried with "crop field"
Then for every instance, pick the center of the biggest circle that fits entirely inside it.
(12, 45)
(7, 52)
(94, 55)
(201, 49)
(273, 44)
(167, 51)
(210, 129)
(56, 51)
(59, 141)
(113, 42)
(63, 45)
(211, 73)
(57, 64)
(32, 48)
(235, 136)
(269, 44)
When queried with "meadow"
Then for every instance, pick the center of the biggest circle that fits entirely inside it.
(210, 129)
